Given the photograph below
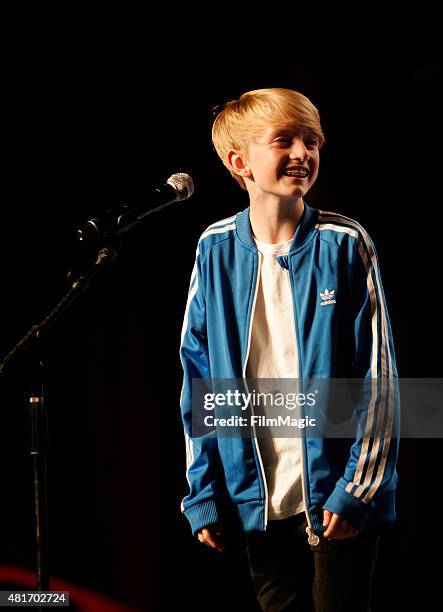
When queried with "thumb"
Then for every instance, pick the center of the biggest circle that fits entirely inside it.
(326, 517)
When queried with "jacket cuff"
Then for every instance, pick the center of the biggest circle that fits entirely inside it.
(201, 515)
(348, 507)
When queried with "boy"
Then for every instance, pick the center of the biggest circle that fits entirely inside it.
(279, 291)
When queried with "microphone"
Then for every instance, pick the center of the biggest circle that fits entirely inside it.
(121, 218)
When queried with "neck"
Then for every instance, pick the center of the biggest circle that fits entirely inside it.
(275, 222)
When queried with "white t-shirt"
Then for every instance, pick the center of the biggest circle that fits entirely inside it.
(273, 354)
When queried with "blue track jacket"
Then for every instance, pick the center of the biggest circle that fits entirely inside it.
(350, 338)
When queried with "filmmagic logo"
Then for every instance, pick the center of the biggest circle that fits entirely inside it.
(259, 421)
(328, 297)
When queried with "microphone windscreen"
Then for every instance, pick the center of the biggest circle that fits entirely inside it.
(183, 185)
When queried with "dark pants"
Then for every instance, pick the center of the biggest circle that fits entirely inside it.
(291, 575)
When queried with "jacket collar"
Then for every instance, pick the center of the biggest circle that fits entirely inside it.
(303, 233)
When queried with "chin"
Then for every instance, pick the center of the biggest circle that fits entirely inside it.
(299, 192)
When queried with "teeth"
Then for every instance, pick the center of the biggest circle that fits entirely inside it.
(302, 172)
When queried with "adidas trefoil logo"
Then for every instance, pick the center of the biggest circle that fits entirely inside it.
(328, 297)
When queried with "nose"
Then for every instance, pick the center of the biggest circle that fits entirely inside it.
(298, 150)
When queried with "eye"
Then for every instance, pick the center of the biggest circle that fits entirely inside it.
(283, 141)
(311, 143)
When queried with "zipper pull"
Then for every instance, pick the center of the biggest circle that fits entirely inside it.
(313, 539)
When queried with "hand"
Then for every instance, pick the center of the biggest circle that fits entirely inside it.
(338, 528)
(211, 536)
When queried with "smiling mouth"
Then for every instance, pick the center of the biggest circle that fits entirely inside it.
(296, 172)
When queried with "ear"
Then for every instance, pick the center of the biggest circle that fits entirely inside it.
(238, 163)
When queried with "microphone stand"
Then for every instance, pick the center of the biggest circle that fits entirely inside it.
(37, 412)
(110, 231)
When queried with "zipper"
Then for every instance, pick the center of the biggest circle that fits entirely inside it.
(313, 538)
(251, 320)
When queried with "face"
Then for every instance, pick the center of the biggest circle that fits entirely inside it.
(282, 162)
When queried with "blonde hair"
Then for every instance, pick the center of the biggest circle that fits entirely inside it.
(240, 121)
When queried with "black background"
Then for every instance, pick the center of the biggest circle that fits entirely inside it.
(80, 135)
